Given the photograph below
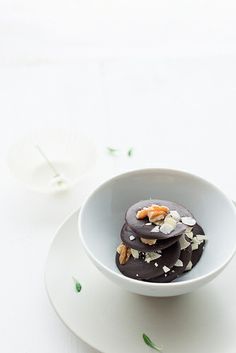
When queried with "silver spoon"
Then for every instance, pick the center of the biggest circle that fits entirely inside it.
(58, 181)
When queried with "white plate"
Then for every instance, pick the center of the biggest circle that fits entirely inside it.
(112, 320)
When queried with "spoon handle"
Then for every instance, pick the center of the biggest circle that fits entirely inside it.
(50, 164)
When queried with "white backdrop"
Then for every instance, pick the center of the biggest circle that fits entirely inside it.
(157, 76)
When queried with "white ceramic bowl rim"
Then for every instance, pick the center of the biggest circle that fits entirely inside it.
(149, 284)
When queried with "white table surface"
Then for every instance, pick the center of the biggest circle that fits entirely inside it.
(157, 76)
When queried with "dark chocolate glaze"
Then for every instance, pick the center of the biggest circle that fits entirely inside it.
(176, 271)
(197, 229)
(149, 270)
(126, 232)
(167, 243)
(196, 254)
(139, 225)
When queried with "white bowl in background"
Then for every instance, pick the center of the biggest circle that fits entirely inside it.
(71, 153)
(103, 213)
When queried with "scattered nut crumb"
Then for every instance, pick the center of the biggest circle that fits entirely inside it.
(132, 237)
(179, 263)
(166, 269)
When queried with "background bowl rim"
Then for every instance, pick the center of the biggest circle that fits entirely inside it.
(28, 136)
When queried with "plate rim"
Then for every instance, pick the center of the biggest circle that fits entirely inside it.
(73, 213)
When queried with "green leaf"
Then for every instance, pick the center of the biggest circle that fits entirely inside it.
(112, 151)
(151, 344)
(78, 286)
(130, 152)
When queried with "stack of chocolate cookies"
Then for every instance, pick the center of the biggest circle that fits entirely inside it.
(160, 241)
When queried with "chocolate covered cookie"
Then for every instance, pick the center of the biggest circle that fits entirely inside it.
(148, 265)
(160, 240)
(150, 224)
(178, 268)
(133, 241)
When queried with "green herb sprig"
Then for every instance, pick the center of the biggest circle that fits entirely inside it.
(130, 152)
(150, 343)
(114, 151)
(78, 286)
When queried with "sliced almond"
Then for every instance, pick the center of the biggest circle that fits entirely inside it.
(189, 266)
(135, 253)
(189, 235)
(156, 229)
(179, 263)
(171, 221)
(189, 221)
(166, 228)
(175, 215)
(183, 242)
(194, 246)
(200, 237)
(166, 269)
(148, 241)
(151, 256)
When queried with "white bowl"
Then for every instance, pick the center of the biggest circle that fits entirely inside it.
(71, 153)
(102, 216)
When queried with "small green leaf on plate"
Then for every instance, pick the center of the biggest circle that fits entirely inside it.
(130, 152)
(151, 344)
(78, 286)
(112, 151)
